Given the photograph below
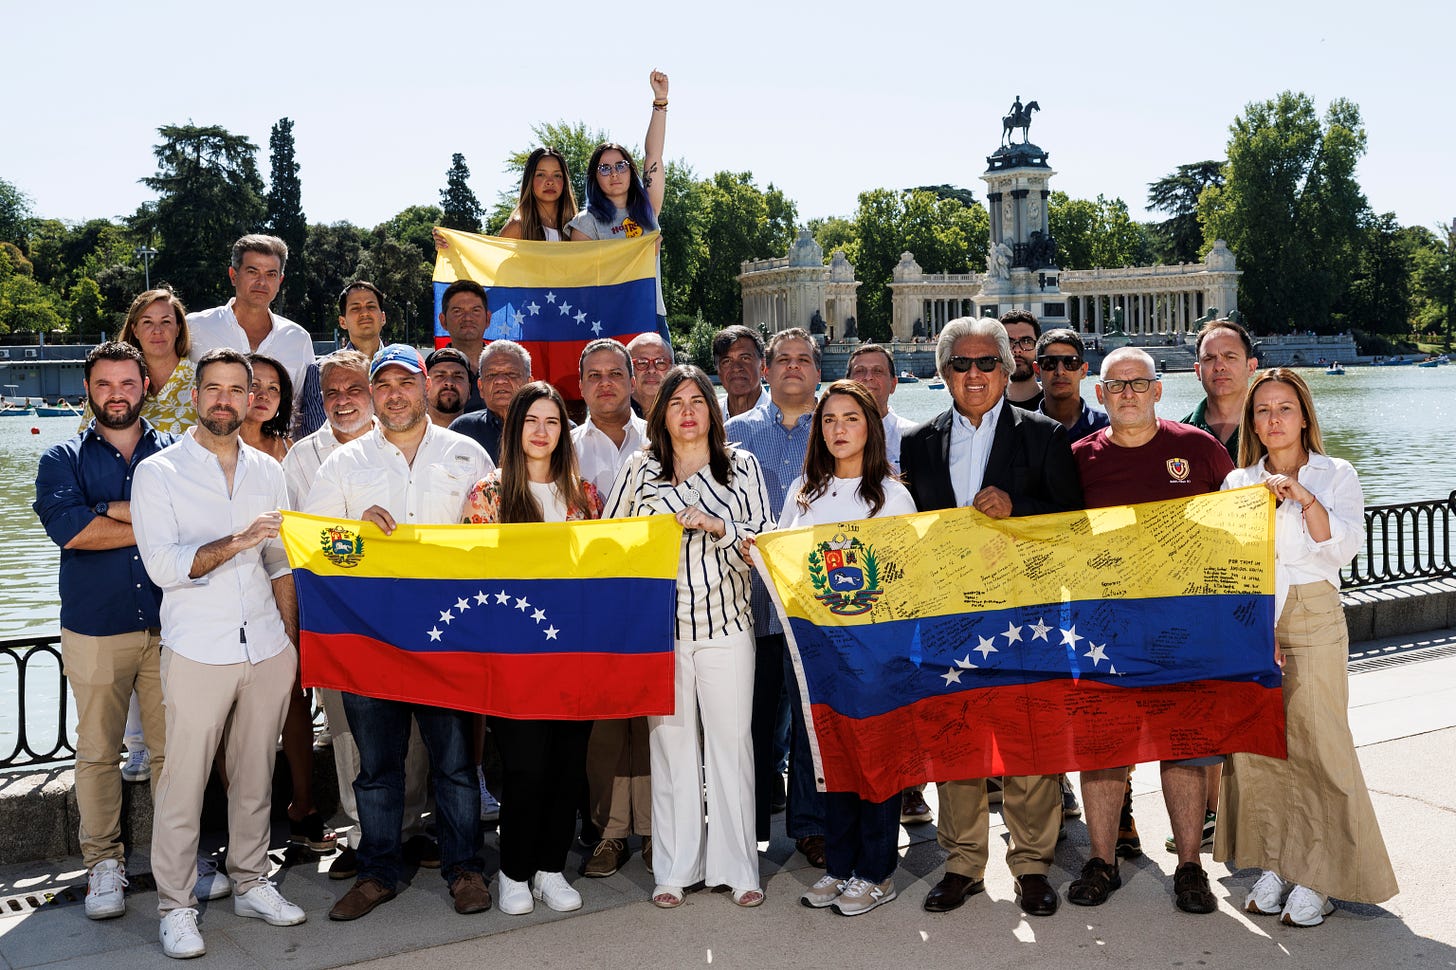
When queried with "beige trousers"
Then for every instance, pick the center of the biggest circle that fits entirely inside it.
(619, 777)
(103, 672)
(1032, 808)
(243, 706)
(346, 769)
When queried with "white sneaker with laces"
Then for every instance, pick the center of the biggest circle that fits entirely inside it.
(180, 938)
(266, 903)
(824, 892)
(138, 766)
(489, 807)
(1305, 907)
(861, 896)
(553, 890)
(106, 890)
(1267, 896)
(512, 897)
(212, 882)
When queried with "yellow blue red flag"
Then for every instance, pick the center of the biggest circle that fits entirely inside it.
(554, 299)
(948, 645)
(541, 620)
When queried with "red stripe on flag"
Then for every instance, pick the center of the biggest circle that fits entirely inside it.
(556, 686)
(1044, 728)
(558, 362)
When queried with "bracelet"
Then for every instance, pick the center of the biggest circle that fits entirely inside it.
(1305, 508)
(659, 102)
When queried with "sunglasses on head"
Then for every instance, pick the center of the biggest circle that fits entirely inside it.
(1068, 362)
(984, 364)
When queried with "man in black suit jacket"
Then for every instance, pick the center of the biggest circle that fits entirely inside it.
(1003, 461)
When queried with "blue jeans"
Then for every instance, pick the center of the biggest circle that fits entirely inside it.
(862, 837)
(381, 730)
(805, 814)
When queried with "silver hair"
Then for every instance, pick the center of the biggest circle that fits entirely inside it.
(1126, 353)
(348, 358)
(508, 347)
(973, 327)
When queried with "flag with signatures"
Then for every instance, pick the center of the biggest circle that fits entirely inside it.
(565, 621)
(948, 645)
(554, 299)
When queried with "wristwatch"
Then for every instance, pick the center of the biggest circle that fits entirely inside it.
(100, 508)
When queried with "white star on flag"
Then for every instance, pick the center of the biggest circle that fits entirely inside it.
(597, 328)
(481, 597)
(518, 316)
(446, 616)
(550, 297)
(535, 308)
(952, 676)
(1098, 653)
(551, 632)
(1070, 637)
(502, 597)
(985, 648)
(522, 604)
(565, 309)
(538, 615)
(435, 634)
(1012, 634)
(580, 316)
(1039, 630)
(462, 605)
(965, 663)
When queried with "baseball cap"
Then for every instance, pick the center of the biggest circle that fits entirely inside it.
(402, 354)
(446, 354)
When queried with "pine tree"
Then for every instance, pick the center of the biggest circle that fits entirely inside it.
(285, 215)
(462, 208)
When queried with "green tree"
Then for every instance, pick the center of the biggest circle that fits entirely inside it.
(739, 222)
(413, 227)
(285, 215)
(334, 252)
(397, 269)
(576, 142)
(461, 208)
(88, 312)
(26, 305)
(1378, 298)
(209, 193)
(1176, 194)
(681, 222)
(1092, 233)
(14, 212)
(1435, 283)
(832, 233)
(1290, 209)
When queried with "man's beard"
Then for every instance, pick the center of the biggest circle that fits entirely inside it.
(449, 402)
(1018, 374)
(221, 427)
(125, 420)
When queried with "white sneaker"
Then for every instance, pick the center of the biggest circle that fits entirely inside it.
(823, 892)
(212, 882)
(106, 890)
(861, 896)
(180, 939)
(489, 807)
(266, 903)
(1305, 907)
(553, 890)
(513, 898)
(1267, 896)
(138, 766)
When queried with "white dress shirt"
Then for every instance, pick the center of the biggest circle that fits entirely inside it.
(372, 471)
(598, 458)
(1298, 558)
(179, 503)
(763, 398)
(841, 502)
(302, 463)
(895, 428)
(970, 449)
(287, 342)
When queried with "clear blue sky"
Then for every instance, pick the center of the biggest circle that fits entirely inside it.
(824, 100)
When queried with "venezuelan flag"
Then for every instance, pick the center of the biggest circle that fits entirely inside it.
(542, 620)
(555, 298)
(947, 645)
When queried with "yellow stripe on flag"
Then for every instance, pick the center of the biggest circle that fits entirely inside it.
(526, 263)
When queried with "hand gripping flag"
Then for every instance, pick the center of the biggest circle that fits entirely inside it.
(555, 298)
(542, 620)
(947, 645)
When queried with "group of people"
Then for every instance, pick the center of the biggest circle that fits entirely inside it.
(174, 589)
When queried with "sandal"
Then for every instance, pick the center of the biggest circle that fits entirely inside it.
(308, 832)
(667, 897)
(1097, 882)
(747, 898)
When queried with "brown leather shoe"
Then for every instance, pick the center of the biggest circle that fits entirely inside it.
(1035, 895)
(812, 846)
(361, 899)
(913, 808)
(470, 893)
(952, 890)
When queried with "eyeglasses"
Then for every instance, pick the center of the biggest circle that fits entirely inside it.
(1024, 343)
(1139, 385)
(620, 167)
(651, 363)
(984, 364)
(1067, 362)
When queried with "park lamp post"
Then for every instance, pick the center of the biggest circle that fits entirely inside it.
(145, 254)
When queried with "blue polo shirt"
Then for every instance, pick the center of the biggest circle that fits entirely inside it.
(104, 592)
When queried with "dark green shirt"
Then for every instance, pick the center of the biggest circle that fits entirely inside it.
(1198, 421)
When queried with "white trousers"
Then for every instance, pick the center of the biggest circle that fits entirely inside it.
(714, 678)
(346, 769)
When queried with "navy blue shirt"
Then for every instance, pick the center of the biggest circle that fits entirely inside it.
(482, 427)
(104, 592)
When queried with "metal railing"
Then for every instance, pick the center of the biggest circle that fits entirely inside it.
(1402, 543)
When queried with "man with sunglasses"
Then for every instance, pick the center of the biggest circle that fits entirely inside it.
(1023, 330)
(651, 359)
(1140, 458)
(1061, 363)
(1002, 461)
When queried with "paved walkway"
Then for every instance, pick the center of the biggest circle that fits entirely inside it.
(1403, 716)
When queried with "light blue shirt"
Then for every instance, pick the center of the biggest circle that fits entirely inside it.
(970, 449)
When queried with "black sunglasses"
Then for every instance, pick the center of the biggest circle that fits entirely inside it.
(1067, 362)
(962, 364)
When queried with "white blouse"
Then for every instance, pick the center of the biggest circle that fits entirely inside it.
(841, 502)
(553, 506)
(1298, 558)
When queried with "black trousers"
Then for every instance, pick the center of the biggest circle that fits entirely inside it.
(542, 782)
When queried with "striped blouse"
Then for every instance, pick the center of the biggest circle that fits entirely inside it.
(712, 575)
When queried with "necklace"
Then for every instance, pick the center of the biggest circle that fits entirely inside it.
(1293, 471)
